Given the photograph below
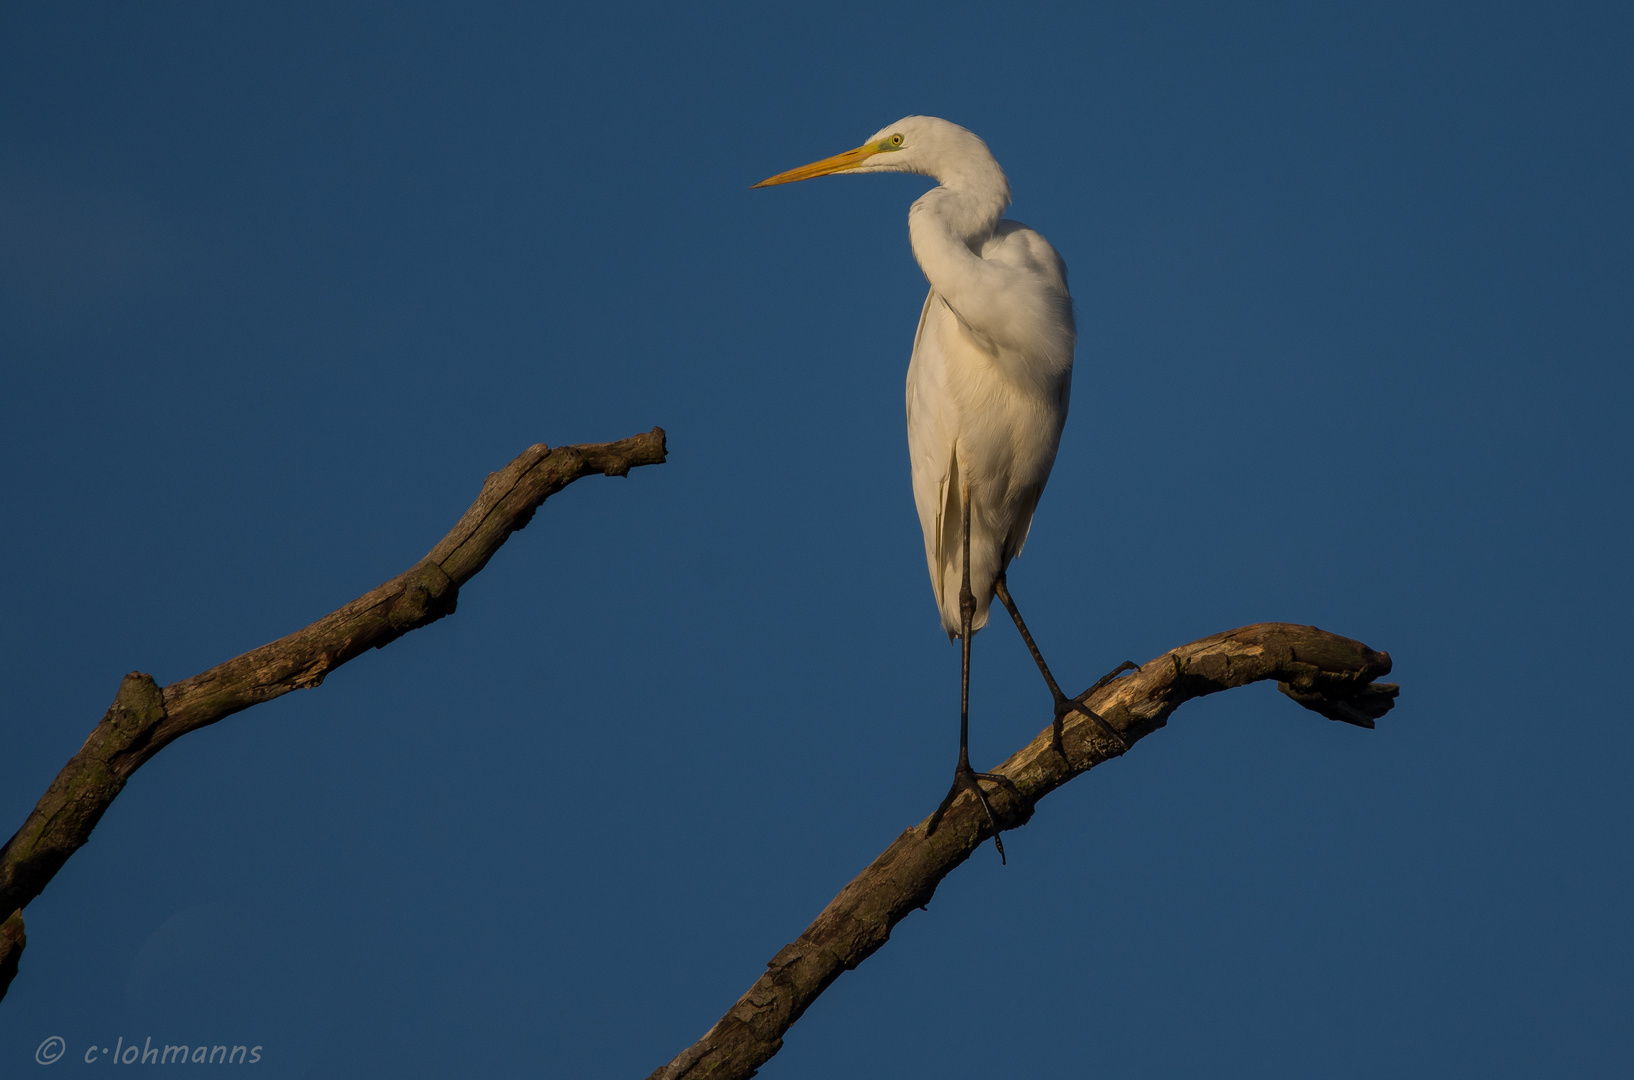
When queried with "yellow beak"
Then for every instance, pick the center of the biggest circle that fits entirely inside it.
(838, 163)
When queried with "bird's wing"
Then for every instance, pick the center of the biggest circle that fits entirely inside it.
(1011, 296)
(1037, 267)
(932, 435)
(1031, 310)
(1023, 249)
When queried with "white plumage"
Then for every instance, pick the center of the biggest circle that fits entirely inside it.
(987, 386)
(985, 408)
(991, 370)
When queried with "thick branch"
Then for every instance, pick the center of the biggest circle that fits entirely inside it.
(144, 718)
(1324, 672)
(12, 940)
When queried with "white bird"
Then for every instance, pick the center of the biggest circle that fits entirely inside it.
(988, 384)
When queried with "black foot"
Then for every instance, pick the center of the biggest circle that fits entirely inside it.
(967, 779)
(1065, 706)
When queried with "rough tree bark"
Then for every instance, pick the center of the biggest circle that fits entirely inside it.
(145, 717)
(1324, 672)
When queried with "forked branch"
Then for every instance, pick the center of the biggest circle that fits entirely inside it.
(1324, 672)
(144, 717)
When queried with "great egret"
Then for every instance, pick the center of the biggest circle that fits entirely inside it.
(987, 386)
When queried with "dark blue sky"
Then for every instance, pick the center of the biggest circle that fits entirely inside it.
(279, 286)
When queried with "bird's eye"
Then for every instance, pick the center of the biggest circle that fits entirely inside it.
(896, 140)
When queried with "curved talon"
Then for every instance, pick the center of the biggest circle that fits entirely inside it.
(1000, 779)
(1065, 705)
(1127, 665)
(1100, 721)
(967, 778)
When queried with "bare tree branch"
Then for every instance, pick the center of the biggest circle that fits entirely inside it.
(1324, 672)
(12, 940)
(144, 718)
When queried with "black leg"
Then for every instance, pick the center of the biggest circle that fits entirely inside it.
(964, 777)
(1063, 704)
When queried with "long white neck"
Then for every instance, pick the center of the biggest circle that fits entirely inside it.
(948, 225)
(971, 196)
(1022, 318)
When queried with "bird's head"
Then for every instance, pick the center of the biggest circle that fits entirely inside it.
(915, 144)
